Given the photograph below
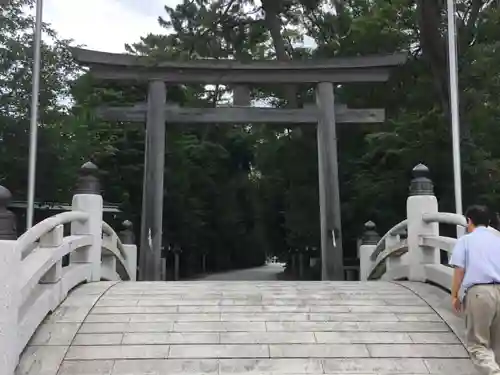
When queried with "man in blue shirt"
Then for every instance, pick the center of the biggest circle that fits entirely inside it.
(476, 258)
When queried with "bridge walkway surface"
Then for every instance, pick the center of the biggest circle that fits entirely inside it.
(242, 328)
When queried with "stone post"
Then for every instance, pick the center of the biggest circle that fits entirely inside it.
(7, 218)
(301, 265)
(368, 245)
(421, 201)
(177, 261)
(204, 263)
(128, 240)
(88, 199)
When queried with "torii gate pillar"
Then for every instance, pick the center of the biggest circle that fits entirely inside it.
(332, 258)
(152, 196)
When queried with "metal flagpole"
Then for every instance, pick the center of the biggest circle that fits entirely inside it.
(455, 117)
(37, 39)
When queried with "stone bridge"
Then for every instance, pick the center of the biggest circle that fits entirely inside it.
(207, 327)
(88, 315)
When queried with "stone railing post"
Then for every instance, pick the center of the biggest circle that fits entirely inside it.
(10, 267)
(368, 244)
(7, 218)
(128, 240)
(421, 201)
(393, 240)
(53, 239)
(88, 199)
(204, 262)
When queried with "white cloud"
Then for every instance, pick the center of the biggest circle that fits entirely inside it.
(105, 25)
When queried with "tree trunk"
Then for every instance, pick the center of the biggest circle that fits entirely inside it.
(272, 10)
(434, 47)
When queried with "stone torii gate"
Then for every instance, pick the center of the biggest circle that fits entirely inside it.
(156, 113)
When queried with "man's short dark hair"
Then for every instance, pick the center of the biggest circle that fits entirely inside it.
(478, 215)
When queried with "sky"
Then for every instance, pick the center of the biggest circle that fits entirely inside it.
(105, 25)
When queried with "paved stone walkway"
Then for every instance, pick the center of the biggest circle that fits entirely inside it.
(268, 272)
(243, 328)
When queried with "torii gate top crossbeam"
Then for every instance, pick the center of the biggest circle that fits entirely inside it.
(112, 66)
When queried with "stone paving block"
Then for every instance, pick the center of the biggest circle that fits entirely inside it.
(117, 302)
(103, 327)
(218, 351)
(170, 338)
(375, 365)
(126, 327)
(68, 314)
(419, 317)
(319, 351)
(213, 317)
(41, 360)
(241, 302)
(160, 367)
(377, 296)
(352, 317)
(311, 326)
(434, 338)
(86, 368)
(152, 318)
(270, 366)
(363, 338)
(98, 339)
(108, 318)
(450, 366)
(167, 302)
(263, 317)
(120, 296)
(418, 351)
(55, 334)
(220, 327)
(80, 301)
(115, 352)
(348, 303)
(134, 310)
(392, 309)
(208, 309)
(332, 309)
(267, 338)
(297, 309)
(403, 327)
(405, 302)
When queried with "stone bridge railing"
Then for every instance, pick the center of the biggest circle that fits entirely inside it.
(35, 278)
(411, 250)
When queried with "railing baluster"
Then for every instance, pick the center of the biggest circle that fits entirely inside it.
(53, 239)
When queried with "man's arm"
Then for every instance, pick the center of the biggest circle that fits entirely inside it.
(458, 260)
(458, 278)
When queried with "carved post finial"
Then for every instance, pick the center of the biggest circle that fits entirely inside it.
(127, 234)
(7, 218)
(370, 235)
(421, 184)
(88, 180)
